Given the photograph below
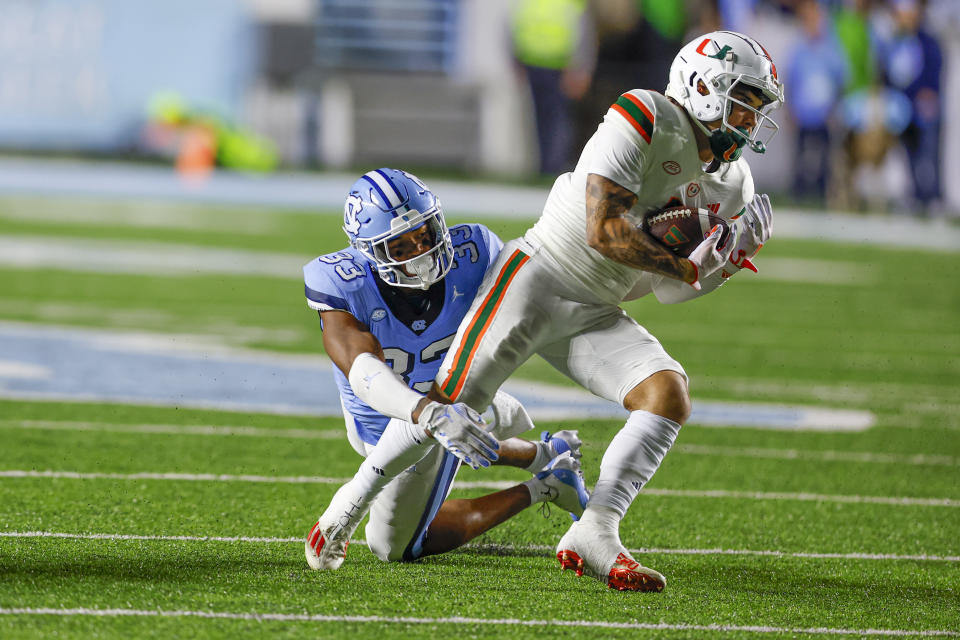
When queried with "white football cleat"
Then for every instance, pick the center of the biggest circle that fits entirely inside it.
(594, 551)
(326, 548)
(326, 544)
(563, 479)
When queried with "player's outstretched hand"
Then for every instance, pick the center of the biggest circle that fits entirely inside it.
(460, 430)
(755, 227)
(706, 258)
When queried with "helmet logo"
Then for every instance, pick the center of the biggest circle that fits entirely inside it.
(351, 211)
(719, 55)
(722, 54)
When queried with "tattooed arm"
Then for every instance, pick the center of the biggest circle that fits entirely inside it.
(611, 233)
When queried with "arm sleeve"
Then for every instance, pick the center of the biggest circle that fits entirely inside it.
(376, 383)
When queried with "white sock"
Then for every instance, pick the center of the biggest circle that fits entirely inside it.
(631, 459)
(539, 492)
(402, 445)
(545, 454)
(601, 516)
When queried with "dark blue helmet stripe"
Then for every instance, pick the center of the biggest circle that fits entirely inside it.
(383, 196)
(389, 181)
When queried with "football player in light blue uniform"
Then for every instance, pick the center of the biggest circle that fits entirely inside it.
(390, 305)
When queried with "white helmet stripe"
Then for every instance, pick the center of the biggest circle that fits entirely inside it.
(385, 188)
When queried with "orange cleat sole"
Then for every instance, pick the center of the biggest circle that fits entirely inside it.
(570, 560)
(623, 579)
(620, 578)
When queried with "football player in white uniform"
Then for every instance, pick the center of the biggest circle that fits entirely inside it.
(556, 291)
(390, 304)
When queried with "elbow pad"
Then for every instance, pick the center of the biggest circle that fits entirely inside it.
(374, 382)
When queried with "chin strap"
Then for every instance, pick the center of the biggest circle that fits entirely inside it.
(726, 145)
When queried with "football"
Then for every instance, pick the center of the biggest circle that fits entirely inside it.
(681, 229)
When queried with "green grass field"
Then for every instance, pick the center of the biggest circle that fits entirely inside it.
(761, 533)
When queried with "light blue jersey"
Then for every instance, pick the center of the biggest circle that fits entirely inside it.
(414, 344)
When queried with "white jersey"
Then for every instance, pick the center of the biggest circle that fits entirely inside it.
(645, 144)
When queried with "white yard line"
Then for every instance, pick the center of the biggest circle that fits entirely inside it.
(496, 547)
(496, 485)
(186, 477)
(173, 429)
(917, 459)
(601, 624)
(805, 497)
(171, 259)
(140, 257)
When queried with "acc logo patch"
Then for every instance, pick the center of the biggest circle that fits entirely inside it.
(351, 211)
(693, 189)
(671, 167)
(419, 325)
(378, 314)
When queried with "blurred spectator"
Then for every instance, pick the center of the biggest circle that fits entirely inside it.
(853, 31)
(198, 140)
(737, 15)
(873, 118)
(816, 74)
(637, 40)
(555, 43)
(911, 60)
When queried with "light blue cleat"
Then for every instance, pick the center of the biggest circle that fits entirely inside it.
(565, 482)
(562, 442)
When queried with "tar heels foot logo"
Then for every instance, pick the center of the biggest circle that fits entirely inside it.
(351, 211)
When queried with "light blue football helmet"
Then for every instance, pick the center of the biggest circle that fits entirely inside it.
(385, 204)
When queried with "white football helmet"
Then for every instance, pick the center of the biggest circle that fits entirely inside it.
(703, 75)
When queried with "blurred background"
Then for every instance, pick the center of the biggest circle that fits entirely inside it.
(494, 89)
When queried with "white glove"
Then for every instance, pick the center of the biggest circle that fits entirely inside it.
(706, 259)
(459, 430)
(755, 227)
